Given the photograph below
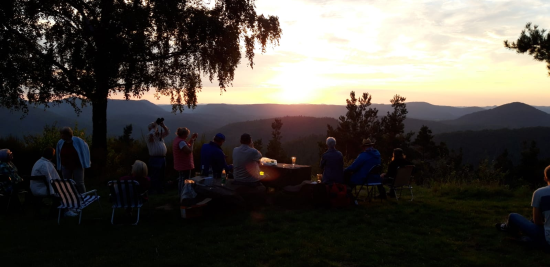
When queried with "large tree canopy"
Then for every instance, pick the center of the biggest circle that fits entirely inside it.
(60, 50)
(535, 42)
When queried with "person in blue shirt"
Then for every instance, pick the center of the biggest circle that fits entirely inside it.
(212, 156)
(357, 172)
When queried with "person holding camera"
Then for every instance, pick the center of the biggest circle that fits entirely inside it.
(183, 155)
(157, 154)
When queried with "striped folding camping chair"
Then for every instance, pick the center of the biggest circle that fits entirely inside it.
(126, 194)
(71, 199)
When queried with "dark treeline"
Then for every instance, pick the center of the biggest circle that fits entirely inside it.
(504, 157)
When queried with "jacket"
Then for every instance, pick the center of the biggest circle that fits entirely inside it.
(81, 148)
(362, 165)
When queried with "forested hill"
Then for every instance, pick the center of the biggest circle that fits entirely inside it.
(293, 128)
(489, 144)
(234, 113)
(512, 115)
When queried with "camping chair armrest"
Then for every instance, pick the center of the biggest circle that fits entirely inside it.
(89, 192)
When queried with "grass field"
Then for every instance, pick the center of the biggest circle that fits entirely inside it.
(443, 226)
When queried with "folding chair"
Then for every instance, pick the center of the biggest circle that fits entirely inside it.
(71, 199)
(37, 199)
(403, 181)
(125, 194)
(9, 190)
(369, 183)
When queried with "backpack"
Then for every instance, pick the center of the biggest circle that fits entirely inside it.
(339, 195)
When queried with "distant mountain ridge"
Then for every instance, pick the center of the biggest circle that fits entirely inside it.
(223, 117)
(417, 110)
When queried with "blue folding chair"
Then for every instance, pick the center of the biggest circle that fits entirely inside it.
(126, 194)
(70, 197)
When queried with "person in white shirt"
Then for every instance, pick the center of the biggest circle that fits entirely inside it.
(45, 167)
(157, 154)
(537, 231)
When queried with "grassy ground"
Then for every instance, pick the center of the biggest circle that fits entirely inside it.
(443, 226)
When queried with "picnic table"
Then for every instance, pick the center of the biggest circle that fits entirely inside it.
(282, 175)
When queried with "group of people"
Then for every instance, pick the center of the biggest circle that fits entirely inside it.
(246, 159)
(72, 157)
(359, 171)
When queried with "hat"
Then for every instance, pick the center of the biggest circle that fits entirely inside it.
(367, 142)
(219, 136)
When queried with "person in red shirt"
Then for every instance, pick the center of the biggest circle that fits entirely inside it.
(183, 155)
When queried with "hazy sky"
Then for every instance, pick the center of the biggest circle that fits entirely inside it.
(442, 52)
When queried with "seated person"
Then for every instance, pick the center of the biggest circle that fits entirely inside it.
(537, 231)
(44, 167)
(332, 163)
(139, 174)
(357, 172)
(212, 156)
(8, 168)
(398, 160)
(246, 166)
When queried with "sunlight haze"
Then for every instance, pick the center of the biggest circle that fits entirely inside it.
(441, 52)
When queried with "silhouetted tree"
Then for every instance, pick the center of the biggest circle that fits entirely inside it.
(274, 147)
(534, 41)
(258, 145)
(127, 133)
(393, 128)
(59, 51)
(528, 168)
(424, 143)
(361, 121)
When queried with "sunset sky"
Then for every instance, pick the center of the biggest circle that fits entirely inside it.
(441, 52)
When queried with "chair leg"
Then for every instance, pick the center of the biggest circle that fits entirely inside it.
(58, 216)
(137, 217)
(80, 217)
(113, 216)
(412, 196)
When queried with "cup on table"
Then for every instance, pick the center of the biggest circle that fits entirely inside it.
(319, 178)
(293, 161)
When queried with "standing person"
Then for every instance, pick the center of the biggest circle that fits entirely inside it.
(212, 156)
(332, 163)
(537, 231)
(45, 167)
(8, 168)
(157, 154)
(73, 157)
(183, 155)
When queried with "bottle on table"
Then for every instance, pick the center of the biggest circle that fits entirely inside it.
(224, 177)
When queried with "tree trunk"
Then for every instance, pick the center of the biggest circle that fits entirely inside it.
(99, 137)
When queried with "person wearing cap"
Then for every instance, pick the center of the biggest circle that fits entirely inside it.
(357, 172)
(212, 156)
(157, 155)
(398, 160)
(332, 163)
(183, 155)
